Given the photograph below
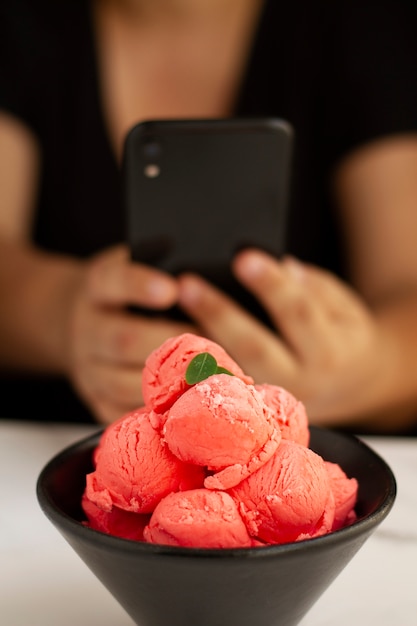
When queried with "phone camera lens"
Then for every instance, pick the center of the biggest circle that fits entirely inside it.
(152, 150)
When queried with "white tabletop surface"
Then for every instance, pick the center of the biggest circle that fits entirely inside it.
(44, 583)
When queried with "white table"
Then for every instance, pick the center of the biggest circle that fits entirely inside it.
(44, 583)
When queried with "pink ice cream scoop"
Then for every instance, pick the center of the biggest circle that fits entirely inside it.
(163, 377)
(198, 518)
(222, 423)
(289, 412)
(345, 491)
(134, 469)
(286, 499)
(325, 524)
(116, 522)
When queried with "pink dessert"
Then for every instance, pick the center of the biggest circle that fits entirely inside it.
(204, 421)
(135, 470)
(289, 412)
(212, 460)
(164, 371)
(116, 522)
(345, 491)
(198, 517)
(286, 498)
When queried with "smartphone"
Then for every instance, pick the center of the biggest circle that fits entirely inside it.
(198, 191)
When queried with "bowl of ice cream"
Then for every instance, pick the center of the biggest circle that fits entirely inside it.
(197, 509)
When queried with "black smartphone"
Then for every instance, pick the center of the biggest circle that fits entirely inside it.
(198, 191)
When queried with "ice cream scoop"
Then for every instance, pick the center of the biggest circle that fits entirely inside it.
(135, 469)
(285, 499)
(163, 377)
(289, 412)
(116, 522)
(345, 491)
(198, 518)
(222, 423)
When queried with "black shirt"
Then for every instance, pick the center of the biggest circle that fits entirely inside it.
(343, 73)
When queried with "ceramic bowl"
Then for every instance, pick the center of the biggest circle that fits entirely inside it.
(266, 586)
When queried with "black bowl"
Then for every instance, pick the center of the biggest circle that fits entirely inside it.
(266, 586)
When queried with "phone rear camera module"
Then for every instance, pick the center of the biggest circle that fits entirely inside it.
(152, 150)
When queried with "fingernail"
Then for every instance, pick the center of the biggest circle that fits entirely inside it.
(295, 267)
(190, 290)
(250, 265)
(160, 291)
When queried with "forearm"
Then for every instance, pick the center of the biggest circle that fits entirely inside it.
(398, 320)
(36, 291)
(386, 398)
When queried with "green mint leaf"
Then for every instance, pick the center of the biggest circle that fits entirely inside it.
(223, 370)
(200, 367)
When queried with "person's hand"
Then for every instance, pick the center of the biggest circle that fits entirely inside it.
(107, 345)
(328, 349)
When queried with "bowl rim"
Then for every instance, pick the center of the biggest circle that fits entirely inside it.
(71, 526)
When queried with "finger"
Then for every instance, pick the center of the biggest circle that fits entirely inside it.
(114, 280)
(127, 339)
(256, 348)
(285, 292)
(106, 384)
(340, 300)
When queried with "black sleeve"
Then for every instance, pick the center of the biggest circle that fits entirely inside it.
(18, 60)
(32, 49)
